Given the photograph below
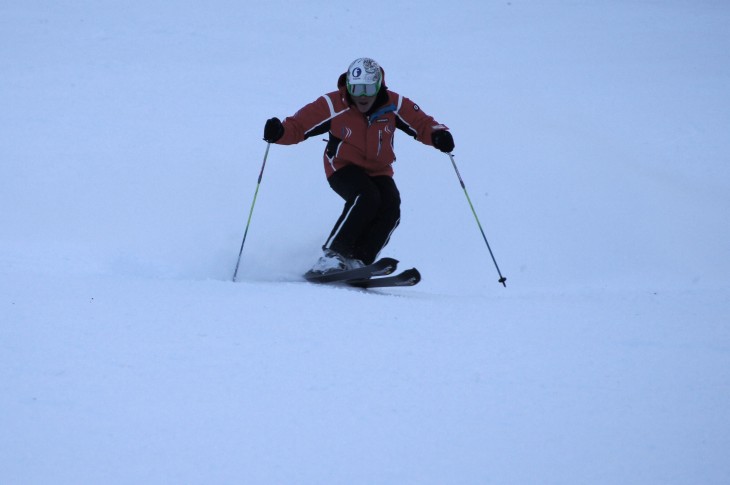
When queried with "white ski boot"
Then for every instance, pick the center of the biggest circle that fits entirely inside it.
(332, 261)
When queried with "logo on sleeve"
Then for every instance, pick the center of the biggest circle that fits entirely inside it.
(416, 107)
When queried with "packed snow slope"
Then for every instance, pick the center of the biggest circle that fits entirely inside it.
(592, 137)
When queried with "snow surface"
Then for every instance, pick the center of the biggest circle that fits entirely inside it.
(593, 139)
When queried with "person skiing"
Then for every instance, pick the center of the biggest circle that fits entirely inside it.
(361, 117)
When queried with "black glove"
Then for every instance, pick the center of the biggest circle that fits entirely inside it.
(442, 140)
(273, 130)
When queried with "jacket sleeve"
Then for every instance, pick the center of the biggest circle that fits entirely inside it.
(310, 120)
(412, 120)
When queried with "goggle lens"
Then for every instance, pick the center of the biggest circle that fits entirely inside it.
(363, 89)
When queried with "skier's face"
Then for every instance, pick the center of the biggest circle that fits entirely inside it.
(364, 103)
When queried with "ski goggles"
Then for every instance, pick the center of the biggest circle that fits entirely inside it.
(363, 89)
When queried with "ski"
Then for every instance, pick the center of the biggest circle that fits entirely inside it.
(409, 277)
(381, 267)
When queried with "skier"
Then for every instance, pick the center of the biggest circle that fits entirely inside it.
(361, 118)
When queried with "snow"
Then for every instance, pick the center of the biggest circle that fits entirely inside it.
(592, 138)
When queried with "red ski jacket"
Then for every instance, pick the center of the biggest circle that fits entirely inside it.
(362, 139)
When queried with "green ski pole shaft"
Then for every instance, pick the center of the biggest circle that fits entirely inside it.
(250, 212)
(502, 279)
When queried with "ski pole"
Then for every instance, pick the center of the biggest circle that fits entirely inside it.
(502, 279)
(250, 213)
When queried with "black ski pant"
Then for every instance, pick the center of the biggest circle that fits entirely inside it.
(371, 213)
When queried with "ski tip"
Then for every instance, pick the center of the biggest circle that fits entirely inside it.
(415, 276)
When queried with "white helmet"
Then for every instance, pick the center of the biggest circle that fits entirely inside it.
(364, 77)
